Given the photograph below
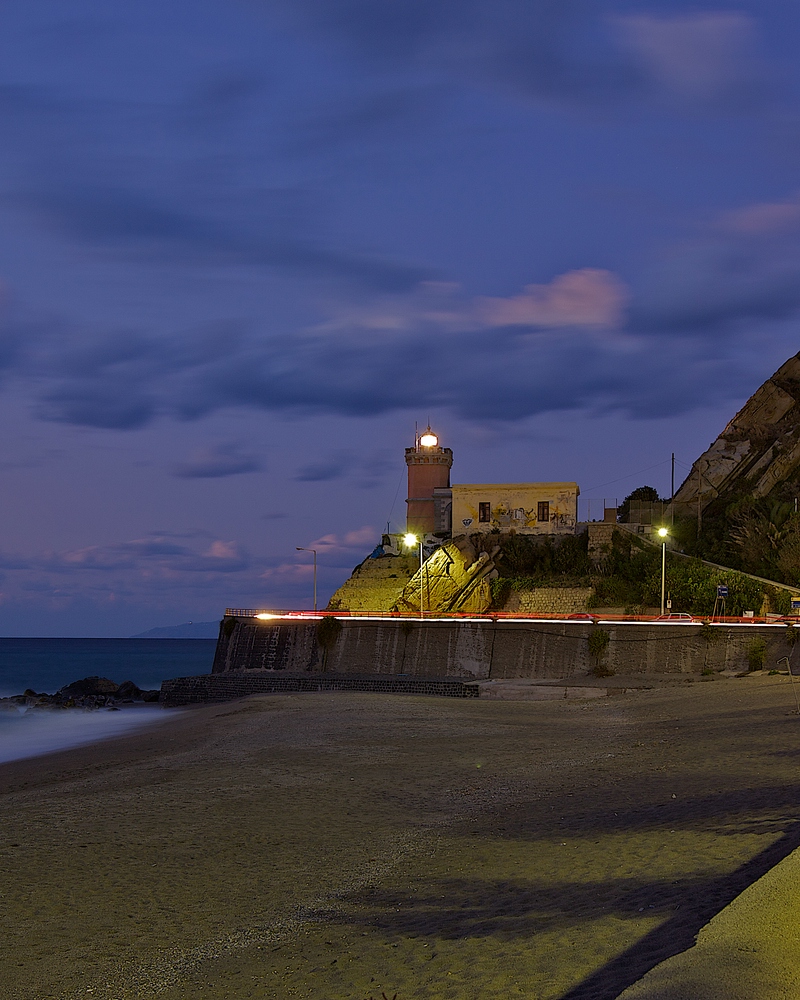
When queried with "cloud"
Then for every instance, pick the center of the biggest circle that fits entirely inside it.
(317, 472)
(762, 219)
(572, 52)
(353, 541)
(289, 573)
(700, 56)
(221, 97)
(589, 297)
(387, 113)
(566, 344)
(153, 557)
(114, 406)
(216, 461)
(143, 226)
(741, 270)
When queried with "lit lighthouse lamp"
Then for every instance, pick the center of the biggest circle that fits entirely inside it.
(429, 439)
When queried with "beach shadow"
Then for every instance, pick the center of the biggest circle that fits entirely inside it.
(679, 932)
(454, 909)
(762, 809)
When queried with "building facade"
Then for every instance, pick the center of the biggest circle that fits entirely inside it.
(527, 508)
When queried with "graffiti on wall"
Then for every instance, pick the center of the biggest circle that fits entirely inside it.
(528, 510)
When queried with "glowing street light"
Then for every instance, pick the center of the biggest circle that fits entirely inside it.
(663, 535)
(410, 540)
(301, 549)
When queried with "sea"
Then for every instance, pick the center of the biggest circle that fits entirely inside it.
(45, 665)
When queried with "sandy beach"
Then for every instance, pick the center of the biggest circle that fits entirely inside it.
(338, 845)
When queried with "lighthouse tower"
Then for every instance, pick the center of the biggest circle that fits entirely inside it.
(428, 475)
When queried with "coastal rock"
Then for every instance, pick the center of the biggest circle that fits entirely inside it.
(89, 686)
(758, 450)
(128, 691)
(90, 692)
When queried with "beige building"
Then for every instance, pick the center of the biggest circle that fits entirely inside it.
(529, 508)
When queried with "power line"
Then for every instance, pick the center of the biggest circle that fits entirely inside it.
(622, 480)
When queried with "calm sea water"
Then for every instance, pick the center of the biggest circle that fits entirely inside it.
(48, 664)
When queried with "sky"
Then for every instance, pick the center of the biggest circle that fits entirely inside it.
(246, 245)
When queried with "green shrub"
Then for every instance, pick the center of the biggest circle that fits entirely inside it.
(501, 588)
(598, 642)
(536, 559)
(328, 632)
(756, 654)
(709, 633)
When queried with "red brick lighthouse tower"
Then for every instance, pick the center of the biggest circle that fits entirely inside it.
(428, 471)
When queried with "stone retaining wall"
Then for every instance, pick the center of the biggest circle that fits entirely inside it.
(548, 600)
(241, 683)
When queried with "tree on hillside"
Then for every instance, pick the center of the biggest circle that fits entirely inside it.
(765, 535)
(642, 494)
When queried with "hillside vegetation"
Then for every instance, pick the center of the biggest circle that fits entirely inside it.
(629, 578)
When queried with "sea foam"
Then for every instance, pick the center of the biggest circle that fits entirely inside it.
(34, 732)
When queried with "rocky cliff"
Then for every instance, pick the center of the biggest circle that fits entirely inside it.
(455, 578)
(757, 451)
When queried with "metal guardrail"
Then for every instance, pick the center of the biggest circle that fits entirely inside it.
(582, 618)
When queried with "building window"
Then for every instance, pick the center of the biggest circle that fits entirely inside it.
(543, 510)
(484, 512)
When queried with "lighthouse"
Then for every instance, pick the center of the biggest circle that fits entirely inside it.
(428, 485)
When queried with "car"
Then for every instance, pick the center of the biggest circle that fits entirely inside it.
(676, 616)
(581, 616)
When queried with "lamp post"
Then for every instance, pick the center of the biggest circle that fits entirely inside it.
(410, 541)
(663, 535)
(301, 549)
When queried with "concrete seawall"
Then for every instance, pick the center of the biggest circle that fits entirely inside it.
(491, 649)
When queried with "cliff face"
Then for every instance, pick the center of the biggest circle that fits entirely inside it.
(759, 448)
(455, 578)
(375, 585)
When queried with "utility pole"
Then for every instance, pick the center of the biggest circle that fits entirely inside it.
(672, 491)
(699, 503)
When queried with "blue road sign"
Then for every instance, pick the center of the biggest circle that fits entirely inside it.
(722, 591)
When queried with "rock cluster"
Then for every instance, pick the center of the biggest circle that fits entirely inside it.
(91, 692)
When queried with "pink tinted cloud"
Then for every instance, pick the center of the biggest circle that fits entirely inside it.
(764, 219)
(588, 297)
(692, 55)
(358, 539)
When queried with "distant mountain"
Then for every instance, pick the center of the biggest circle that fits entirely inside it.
(189, 630)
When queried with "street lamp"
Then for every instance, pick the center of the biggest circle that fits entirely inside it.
(301, 549)
(663, 535)
(410, 540)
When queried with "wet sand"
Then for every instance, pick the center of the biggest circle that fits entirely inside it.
(338, 845)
